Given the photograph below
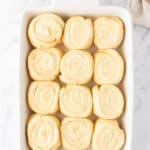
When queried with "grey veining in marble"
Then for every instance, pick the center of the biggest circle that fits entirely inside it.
(10, 14)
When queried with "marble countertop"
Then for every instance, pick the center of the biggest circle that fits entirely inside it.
(10, 14)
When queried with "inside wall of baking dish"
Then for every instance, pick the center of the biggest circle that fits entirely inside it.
(125, 49)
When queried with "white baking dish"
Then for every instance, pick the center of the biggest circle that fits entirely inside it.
(90, 8)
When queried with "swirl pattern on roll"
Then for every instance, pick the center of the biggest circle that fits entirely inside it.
(109, 32)
(43, 64)
(109, 67)
(75, 101)
(76, 67)
(108, 101)
(43, 132)
(43, 97)
(108, 135)
(78, 33)
(45, 31)
(76, 133)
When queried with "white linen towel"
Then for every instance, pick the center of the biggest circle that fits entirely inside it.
(140, 10)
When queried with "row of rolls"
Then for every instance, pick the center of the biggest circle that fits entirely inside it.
(45, 132)
(48, 30)
(76, 66)
(46, 97)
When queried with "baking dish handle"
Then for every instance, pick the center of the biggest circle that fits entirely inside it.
(74, 4)
(38, 5)
(61, 4)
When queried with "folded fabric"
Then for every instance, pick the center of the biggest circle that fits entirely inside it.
(140, 10)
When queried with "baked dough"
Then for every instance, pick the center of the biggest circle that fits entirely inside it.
(109, 32)
(46, 30)
(109, 67)
(76, 133)
(108, 101)
(43, 132)
(75, 101)
(108, 135)
(78, 33)
(76, 67)
(43, 97)
(44, 64)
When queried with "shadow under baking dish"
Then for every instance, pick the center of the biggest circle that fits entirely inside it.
(125, 50)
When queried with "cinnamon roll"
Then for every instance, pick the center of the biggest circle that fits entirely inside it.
(109, 67)
(45, 31)
(108, 135)
(43, 132)
(76, 133)
(43, 97)
(43, 64)
(108, 101)
(76, 67)
(75, 101)
(108, 32)
(78, 33)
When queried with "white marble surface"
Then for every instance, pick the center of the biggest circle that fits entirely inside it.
(10, 14)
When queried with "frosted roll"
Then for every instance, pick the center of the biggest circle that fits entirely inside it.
(108, 135)
(43, 97)
(43, 132)
(45, 31)
(109, 67)
(43, 64)
(75, 101)
(108, 101)
(76, 67)
(76, 133)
